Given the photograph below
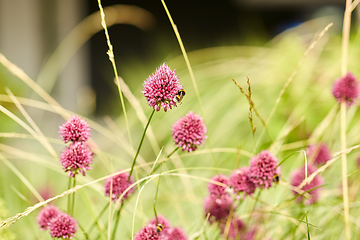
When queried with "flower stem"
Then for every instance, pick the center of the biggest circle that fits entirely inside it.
(156, 194)
(168, 156)
(97, 218)
(73, 197)
(69, 196)
(140, 144)
(116, 221)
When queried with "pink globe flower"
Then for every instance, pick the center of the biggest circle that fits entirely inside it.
(63, 226)
(241, 182)
(299, 175)
(75, 129)
(346, 89)
(262, 169)
(76, 157)
(149, 232)
(161, 88)
(161, 220)
(176, 233)
(46, 215)
(237, 227)
(189, 132)
(320, 153)
(119, 184)
(216, 189)
(218, 207)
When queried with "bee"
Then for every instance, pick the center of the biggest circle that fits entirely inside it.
(179, 96)
(276, 178)
(159, 227)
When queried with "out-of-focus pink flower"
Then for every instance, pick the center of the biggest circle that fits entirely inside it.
(63, 226)
(189, 132)
(76, 157)
(119, 184)
(320, 153)
(237, 227)
(299, 175)
(241, 182)
(176, 233)
(262, 169)
(218, 207)
(148, 232)
(161, 88)
(346, 89)
(75, 129)
(216, 189)
(46, 215)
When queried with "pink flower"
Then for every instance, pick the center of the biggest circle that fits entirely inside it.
(218, 207)
(262, 169)
(161, 220)
(119, 185)
(46, 215)
(176, 233)
(75, 129)
(216, 189)
(237, 227)
(149, 232)
(299, 175)
(189, 132)
(161, 88)
(76, 157)
(346, 89)
(240, 181)
(63, 226)
(320, 153)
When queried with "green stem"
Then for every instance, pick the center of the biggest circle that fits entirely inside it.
(69, 196)
(168, 156)
(156, 194)
(73, 197)
(116, 222)
(140, 144)
(97, 218)
(83, 231)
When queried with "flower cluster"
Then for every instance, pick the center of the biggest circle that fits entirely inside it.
(117, 186)
(311, 188)
(77, 157)
(189, 132)
(152, 231)
(346, 89)
(161, 88)
(319, 153)
(60, 224)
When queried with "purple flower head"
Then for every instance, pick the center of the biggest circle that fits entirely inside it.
(358, 161)
(346, 89)
(216, 189)
(119, 184)
(75, 129)
(299, 175)
(46, 215)
(161, 88)
(320, 153)
(148, 232)
(262, 169)
(189, 132)
(63, 226)
(237, 227)
(241, 182)
(161, 220)
(176, 233)
(76, 157)
(218, 207)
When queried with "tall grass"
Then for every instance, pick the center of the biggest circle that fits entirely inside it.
(291, 79)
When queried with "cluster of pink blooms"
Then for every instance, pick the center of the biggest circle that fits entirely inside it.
(117, 185)
(313, 187)
(161, 88)
(346, 89)
(152, 231)
(319, 154)
(77, 157)
(189, 132)
(59, 224)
